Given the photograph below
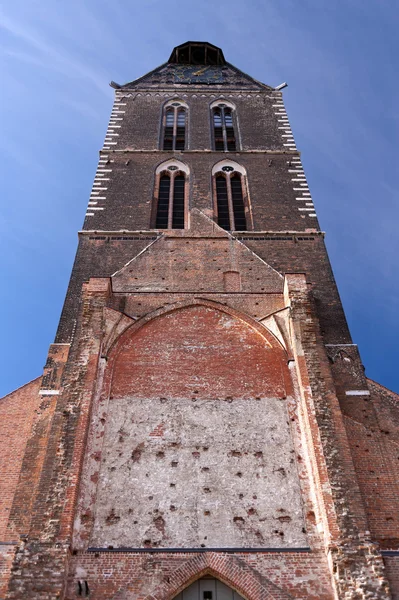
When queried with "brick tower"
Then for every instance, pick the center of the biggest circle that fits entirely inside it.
(203, 429)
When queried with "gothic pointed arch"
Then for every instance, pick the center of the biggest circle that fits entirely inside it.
(119, 340)
(170, 381)
(224, 126)
(230, 570)
(174, 125)
(170, 201)
(231, 202)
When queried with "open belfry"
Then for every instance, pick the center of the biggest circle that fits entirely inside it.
(203, 429)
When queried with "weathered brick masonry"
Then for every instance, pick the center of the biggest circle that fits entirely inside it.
(203, 412)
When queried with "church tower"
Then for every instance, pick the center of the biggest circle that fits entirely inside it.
(203, 429)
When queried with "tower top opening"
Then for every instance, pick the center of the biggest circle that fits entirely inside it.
(197, 53)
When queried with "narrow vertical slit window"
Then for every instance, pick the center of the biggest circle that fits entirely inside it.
(174, 127)
(230, 135)
(222, 202)
(163, 202)
(218, 129)
(181, 129)
(240, 223)
(230, 199)
(170, 201)
(178, 202)
(168, 133)
(223, 129)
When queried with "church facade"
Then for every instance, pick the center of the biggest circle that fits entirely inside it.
(203, 428)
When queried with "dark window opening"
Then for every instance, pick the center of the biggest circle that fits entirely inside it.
(174, 134)
(207, 595)
(178, 202)
(180, 129)
(230, 136)
(230, 200)
(197, 53)
(222, 202)
(240, 223)
(163, 202)
(223, 129)
(171, 201)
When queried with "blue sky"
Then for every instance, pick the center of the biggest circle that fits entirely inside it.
(340, 60)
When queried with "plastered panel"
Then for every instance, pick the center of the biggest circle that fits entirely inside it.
(196, 446)
(189, 473)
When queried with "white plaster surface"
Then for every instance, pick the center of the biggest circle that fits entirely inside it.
(192, 473)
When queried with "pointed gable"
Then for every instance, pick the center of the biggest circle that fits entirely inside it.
(203, 259)
(196, 63)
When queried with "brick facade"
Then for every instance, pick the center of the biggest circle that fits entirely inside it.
(203, 410)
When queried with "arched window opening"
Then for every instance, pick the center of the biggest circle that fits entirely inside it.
(174, 127)
(230, 203)
(223, 129)
(171, 200)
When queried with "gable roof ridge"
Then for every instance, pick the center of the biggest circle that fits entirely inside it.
(21, 387)
(143, 77)
(233, 237)
(384, 387)
(237, 70)
(257, 256)
(137, 255)
(211, 221)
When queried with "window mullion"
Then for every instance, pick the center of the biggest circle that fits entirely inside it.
(224, 130)
(174, 127)
(230, 203)
(171, 194)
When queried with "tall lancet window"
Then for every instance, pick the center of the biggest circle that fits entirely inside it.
(170, 201)
(231, 203)
(224, 135)
(174, 126)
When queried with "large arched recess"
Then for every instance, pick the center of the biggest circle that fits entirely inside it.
(197, 442)
(205, 348)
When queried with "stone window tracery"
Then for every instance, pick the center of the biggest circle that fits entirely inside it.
(231, 204)
(174, 126)
(170, 196)
(224, 129)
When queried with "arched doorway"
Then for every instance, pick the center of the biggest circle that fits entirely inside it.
(208, 588)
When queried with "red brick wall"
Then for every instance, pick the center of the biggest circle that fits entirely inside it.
(6, 558)
(17, 413)
(372, 423)
(378, 477)
(257, 576)
(212, 343)
(392, 571)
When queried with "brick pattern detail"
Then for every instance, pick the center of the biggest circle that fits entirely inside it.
(257, 576)
(7, 553)
(392, 570)
(18, 413)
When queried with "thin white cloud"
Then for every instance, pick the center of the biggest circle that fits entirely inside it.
(52, 58)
